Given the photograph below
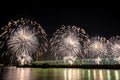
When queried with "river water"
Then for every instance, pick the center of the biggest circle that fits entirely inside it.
(13, 73)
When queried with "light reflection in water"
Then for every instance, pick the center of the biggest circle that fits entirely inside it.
(72, 74)
(83, 73)
(65, 74)
(58, 74)
(116, 75)
(13, 73)
(108, 75)
(89, 75)
(101, 74)
(24, 74)
(94, 74)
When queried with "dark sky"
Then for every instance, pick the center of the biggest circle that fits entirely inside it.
(95, 19)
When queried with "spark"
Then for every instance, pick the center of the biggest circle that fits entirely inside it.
(68, 41)
(97, 47)
(115, 46)
(22, 39)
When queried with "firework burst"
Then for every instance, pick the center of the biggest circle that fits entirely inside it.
(115, 46)
(68, 43)
(21, 39)
(97, 47)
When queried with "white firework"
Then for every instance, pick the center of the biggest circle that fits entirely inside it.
(116, 49)
(115, 46)
(97, 47)
(22, 39)
(67, 42)
(23, 42)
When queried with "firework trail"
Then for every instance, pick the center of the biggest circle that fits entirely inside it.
(115, 46)
(68, 43)
(21, 39)
(97, 47)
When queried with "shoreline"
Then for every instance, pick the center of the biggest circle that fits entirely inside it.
(73, 66)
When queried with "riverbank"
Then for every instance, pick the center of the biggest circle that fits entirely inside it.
(1, 65)
(73, 66)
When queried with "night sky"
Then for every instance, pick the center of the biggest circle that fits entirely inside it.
(95, 19)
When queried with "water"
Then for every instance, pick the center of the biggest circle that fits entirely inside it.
(13, 73)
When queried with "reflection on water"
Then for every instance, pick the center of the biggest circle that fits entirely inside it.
(108, 74)
(70, 74)
(13, 73)
(116, 75)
